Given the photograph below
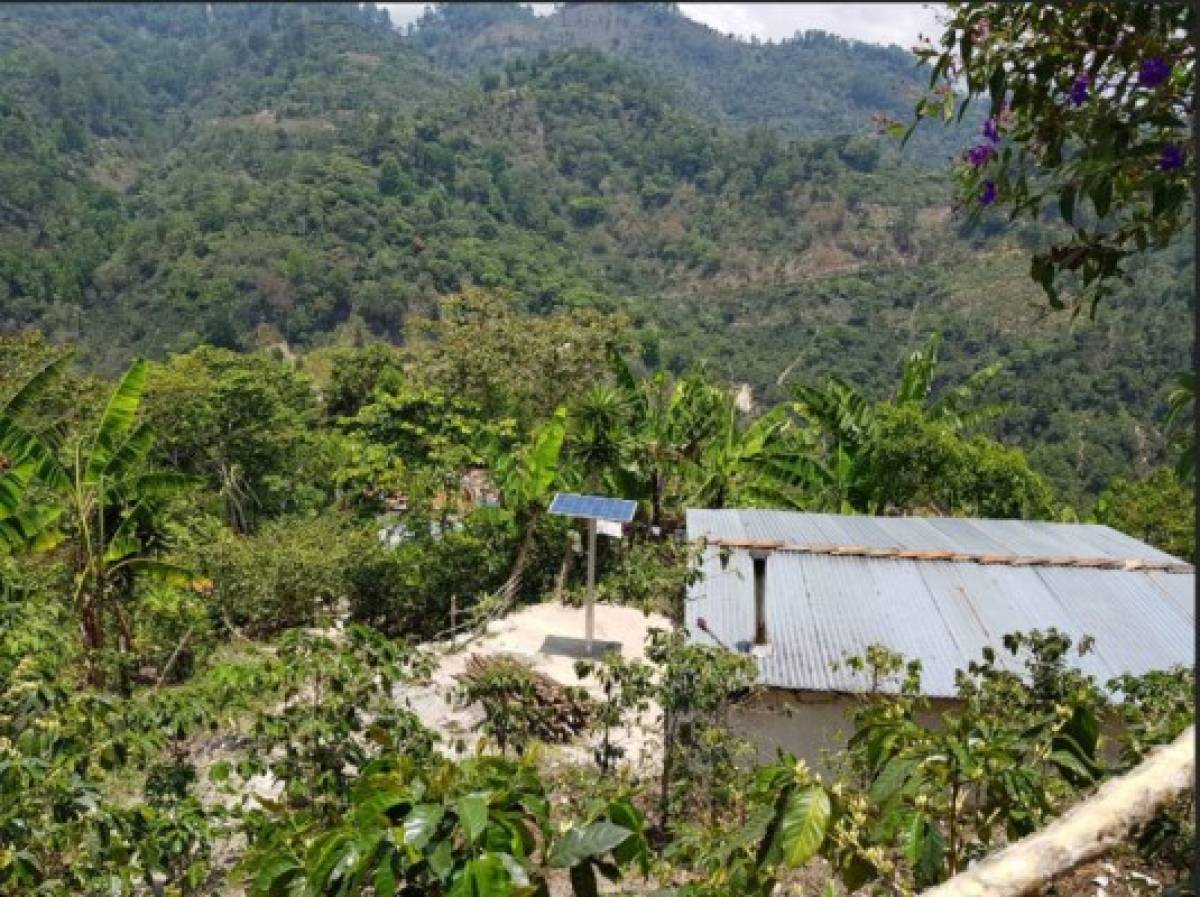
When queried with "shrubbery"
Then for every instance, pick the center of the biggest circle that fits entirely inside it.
(295, 571)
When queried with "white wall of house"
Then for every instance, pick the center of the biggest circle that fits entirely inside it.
(812, 725)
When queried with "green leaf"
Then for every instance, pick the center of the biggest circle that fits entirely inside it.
(516, 872)
(275, 874)
(1068, 762)
(925, 849)
(473, 815)
(35, 385)
(580, 844)
(118, 418)
(624, 813)
(803, 824)
(385, 879)
(441, 860)
(1101, 196)
(483, 877)
(422, 822)
(891, 778)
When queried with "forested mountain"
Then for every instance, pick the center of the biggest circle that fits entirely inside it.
(811, 85)
(245, 175)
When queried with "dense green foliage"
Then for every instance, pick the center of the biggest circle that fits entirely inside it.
(810, 85)
(319, 777)
(229, 575)
(256, 176)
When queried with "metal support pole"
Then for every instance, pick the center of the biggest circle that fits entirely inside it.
(590, 611)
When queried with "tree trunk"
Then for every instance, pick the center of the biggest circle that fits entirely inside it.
(1089, 830)
(664, 796)
(513, 584)
(564, 569)
(91, 634)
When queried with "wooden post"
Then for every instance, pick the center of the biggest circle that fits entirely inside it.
(453, 614)
(590, 610)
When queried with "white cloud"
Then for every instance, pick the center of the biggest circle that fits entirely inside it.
(878, 23)
(403, 13)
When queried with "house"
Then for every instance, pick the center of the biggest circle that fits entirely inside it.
(804, 591)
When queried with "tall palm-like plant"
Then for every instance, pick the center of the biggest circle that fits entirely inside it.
(957, 407)
(1181, 423)
(764, 462)
(847, 423)
(27, 461)
(670, 421)
(111, 499)
(843, 419)
(600, 434)
(526, 479)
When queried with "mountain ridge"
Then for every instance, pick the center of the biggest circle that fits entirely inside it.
(298, 174)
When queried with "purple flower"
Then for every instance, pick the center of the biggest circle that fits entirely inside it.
(1171, 157)
(1153, 71)
(1079, 91)
(979, 156)
(991, 130)
(988, 196)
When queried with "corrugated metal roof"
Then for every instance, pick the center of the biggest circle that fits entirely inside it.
(822, 608)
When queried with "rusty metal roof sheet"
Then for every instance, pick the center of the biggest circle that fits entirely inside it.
(825, 605)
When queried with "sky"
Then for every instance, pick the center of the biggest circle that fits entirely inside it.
(878, 23)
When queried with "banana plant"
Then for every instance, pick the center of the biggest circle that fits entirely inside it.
(1180, 400)
(27, 461)
(111, 498)
(526, 479)
(764, 462)
(847, 422)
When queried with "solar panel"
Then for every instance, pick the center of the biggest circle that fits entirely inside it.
(595, 506)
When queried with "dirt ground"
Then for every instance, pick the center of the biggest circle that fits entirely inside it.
(523, 634)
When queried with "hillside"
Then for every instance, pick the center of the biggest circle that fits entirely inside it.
(248, 174)
(811, 85)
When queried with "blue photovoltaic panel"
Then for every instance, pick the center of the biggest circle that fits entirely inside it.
(596, 507)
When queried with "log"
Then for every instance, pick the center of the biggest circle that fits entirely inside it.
(558, 713)
(1087, 831)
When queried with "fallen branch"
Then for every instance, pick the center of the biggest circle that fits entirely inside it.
(1087, 831)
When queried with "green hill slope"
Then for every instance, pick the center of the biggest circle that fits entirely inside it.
(173, 176)
(809, 86)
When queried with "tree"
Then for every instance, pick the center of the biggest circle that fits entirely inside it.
(112, 498)
(1089, 101)
(1159, 509)
(511, 365)
(761, 462)
(390, 177)
(915, 451)
(1181, 422)
(245, 423)
(526, 478)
